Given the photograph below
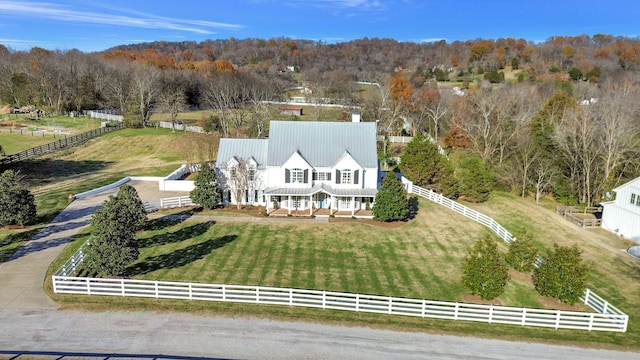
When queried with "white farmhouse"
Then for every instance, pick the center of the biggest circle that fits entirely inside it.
(303, 166)
(622, 215)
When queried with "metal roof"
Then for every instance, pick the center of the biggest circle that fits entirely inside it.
(245, 149)
(322, 143)
(321, 188)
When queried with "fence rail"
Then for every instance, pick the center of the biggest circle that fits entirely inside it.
(568, 212)
(556, 319)
(606, 318)
(168, 203)
(593, 301)
(68, 141)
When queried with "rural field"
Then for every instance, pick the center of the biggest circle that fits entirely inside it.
(421, 258)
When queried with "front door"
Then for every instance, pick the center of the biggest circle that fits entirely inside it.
(321, 201)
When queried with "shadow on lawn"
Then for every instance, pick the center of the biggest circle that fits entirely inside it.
(179, 257)
(168, 220)
(176, 236)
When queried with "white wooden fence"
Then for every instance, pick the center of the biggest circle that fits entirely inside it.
(556, 319)
(168, 203)
(594, 301)
(606, 318)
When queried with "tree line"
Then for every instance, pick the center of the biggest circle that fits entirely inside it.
(564, 120)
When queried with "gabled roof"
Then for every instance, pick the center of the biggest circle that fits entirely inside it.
(322, 143)
(634, 182)
(243, 148)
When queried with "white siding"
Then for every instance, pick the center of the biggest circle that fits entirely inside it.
(620, 215)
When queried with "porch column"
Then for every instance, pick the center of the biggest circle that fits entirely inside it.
(266, 206)
(353, 205)
(289, 205)
(331, 205)
(310, 205)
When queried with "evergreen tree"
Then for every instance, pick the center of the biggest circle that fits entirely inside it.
(426, 167)
(391, 202)
(484, 271)
(207, 190)
(562, 274)
(476, 179)
(112, 245)
(17, 204)
(522, 253)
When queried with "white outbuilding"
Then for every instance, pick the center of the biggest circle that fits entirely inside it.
(622, 215)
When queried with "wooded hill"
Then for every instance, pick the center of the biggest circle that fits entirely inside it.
(561, 116)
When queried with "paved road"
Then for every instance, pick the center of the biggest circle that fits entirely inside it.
(31, 325)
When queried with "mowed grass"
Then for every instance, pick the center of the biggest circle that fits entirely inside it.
(98, 162)
(14, 141)
(348, 257)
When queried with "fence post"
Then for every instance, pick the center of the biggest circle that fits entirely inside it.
(155, 284)
(190, 292)
(122, 287)
(224, 293)
(324, 299)
(88, 286)
(490, 313)
(424, 306)
(455, 312)
(357, 302)
(591, 321)
(257, 294)
(605, 307)
(524, 316)
(290, 297)
(586, 296)
(390, 304)
(557, 319)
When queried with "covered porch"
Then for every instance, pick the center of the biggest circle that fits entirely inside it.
(321, 200)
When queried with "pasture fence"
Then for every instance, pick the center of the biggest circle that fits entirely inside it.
(557, 319)
(606, 318)
(66, 142)
(592, 300)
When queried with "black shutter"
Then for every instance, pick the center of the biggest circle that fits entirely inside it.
(355, 176)
(287, 176)
(337, 176)
(329, 176)
(314, 175)
(305, 176)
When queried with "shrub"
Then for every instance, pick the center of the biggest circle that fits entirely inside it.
(562, 274)
(484, 271)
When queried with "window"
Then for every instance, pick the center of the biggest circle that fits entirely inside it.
(232, 172)
(297, 176)
(322, 176)
(345, 177)
(252, 174)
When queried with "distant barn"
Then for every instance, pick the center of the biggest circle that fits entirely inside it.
(291, 110)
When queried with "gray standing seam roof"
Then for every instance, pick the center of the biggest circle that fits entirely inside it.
(243, 148)
(322, 143)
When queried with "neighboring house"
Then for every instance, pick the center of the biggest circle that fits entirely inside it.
(303, 165)
(622, 215)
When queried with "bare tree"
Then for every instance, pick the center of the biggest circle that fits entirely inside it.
(145, 89)
(172, 101)
(242, 181)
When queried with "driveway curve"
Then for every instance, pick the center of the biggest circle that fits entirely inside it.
(31, 326)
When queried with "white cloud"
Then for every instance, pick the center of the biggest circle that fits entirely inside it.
(58, 12)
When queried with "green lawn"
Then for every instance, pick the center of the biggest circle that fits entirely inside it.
(420, 259)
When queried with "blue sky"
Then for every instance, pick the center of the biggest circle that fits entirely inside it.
(90, 25)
